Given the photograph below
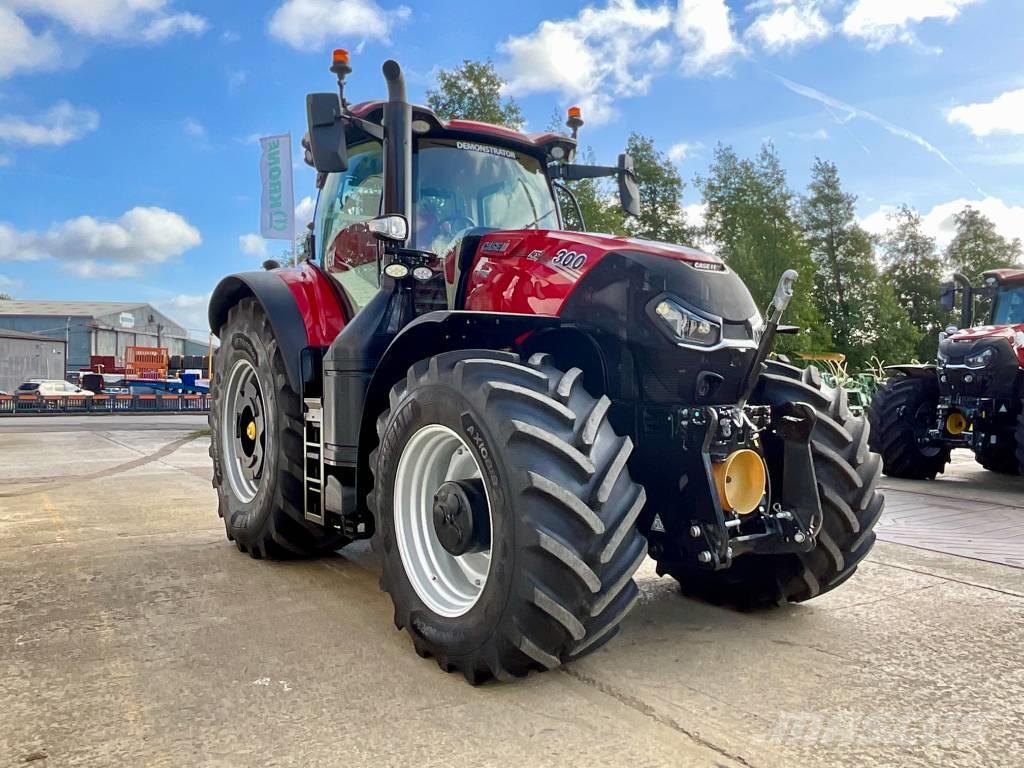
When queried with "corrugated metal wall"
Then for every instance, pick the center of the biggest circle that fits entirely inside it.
(24, 359)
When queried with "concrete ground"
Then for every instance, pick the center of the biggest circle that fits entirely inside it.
(133, 633)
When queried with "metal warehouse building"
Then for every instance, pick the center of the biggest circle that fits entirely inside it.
(25, 356)
(98, 328)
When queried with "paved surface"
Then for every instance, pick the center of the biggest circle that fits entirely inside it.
(968, 511)
(100, 422)
(132, 633)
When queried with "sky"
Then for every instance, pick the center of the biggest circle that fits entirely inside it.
(129, 154)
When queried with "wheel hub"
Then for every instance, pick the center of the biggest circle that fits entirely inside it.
(461, 518)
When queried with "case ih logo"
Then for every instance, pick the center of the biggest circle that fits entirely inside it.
(707, 266)
(495, 246)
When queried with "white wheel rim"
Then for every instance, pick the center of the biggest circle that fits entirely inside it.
(243, 464)
(449, 585)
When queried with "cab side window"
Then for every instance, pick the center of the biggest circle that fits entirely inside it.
(345, 247)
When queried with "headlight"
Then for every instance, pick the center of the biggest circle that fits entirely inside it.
(980, 359)
(686, 326)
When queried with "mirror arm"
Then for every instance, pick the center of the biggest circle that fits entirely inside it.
(374, 130)
(579, 172)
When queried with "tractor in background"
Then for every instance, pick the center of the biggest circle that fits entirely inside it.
(972, 397)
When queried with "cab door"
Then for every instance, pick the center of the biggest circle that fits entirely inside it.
(344, 246)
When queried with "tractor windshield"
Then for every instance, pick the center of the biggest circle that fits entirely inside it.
(459, 185)
(1009, 309)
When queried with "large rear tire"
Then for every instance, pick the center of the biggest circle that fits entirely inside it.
(256, 443)
(901, 414)
(552, 578)
(847, 475)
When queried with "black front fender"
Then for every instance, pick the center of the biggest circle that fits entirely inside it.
(426, 336)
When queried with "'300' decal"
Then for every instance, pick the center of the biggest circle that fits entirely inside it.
(569, 259)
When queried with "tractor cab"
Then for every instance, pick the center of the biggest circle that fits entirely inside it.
(1008, 302)
(450, 183)
(467, 178)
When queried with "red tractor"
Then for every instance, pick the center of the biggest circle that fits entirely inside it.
(972, 398)
(517, 414)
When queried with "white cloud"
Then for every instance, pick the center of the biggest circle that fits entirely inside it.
(882, 22)
(849, 112)
(21, 50)
(189, 310)
(309, 24)
(148, 21)
(677, 153)
(60, 124)
(193, 128)
(304, 211)
(696, 214)
(1005, 114)
(9, 283)
(600, 53)
(819, 135)
(167, 26)
(938, 222)
(91, 247)
(788, 24)
(253, 245)
(6, 161)
(705, 29)
(152, 20)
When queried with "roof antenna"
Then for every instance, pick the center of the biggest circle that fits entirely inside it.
(340, 67)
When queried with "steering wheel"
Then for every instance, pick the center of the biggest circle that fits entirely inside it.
(454, 221)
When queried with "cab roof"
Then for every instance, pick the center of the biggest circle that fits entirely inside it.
(536, 143)
(1007, 275)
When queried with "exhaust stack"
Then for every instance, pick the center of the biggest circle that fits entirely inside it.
(397, 144)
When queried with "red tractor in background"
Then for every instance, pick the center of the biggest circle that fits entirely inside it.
(516, 414)
(972, 398)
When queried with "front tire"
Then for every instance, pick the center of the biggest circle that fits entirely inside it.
(256, 443)
(561, 510)
(901, 414)
(847, 474)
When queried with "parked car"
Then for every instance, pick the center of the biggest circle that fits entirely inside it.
(50, 387)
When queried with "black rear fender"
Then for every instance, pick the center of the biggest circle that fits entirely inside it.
(279, 305)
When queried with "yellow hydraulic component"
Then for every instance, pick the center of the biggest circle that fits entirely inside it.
(740, 480)
(956, 423)
(250, 431)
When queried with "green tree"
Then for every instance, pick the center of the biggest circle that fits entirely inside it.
(661, 194)
(858, 307)
(6, 297)
(751, 222)
(914, 270)
(977, 247)
(472, 91)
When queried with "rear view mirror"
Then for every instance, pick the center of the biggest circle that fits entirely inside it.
(325, 143)
(948, 298)
(629, 192)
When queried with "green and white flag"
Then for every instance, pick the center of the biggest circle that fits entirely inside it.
(277, 206)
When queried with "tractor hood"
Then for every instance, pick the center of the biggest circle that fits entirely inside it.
(965, 341)
(535, 271)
